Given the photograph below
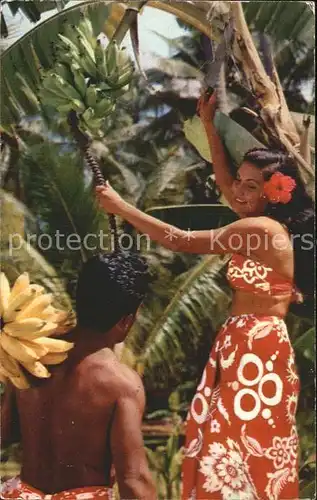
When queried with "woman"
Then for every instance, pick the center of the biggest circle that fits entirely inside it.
(241, 439)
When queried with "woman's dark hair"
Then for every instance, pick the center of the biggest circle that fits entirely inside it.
(297, 215)
(109, 288)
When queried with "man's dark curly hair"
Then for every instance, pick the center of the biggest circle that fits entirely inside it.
(109, 288)
(297, 215)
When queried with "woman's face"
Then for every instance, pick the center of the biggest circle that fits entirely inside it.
(247, 189)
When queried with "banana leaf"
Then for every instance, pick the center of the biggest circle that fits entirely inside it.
(181, 338)
(305, 344)
(14, 216)
(194, 217)
(26, 258)
(35, 49)
(18, 255)
(237, 140)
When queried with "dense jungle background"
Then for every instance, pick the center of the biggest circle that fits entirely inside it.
(45, 188)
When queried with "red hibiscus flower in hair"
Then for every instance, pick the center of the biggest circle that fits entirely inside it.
(279, 188)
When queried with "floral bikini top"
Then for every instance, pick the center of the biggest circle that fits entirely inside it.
(252, 276)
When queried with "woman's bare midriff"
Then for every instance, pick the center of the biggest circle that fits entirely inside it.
(260, 305)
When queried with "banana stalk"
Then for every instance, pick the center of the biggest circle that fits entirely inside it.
(83, 144)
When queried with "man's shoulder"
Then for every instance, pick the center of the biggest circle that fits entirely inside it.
(106, 372)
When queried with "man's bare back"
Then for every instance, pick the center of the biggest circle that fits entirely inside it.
(88, 415)
(66, 422)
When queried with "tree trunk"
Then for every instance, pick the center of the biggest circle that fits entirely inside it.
(269, 93)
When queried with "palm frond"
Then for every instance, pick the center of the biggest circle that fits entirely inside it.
(27, 258)
(182, 45)
(18, 255)
(280, 23)
(128, 183)
(166, 185)
(179, 339)
(173, 68)
(56, 190)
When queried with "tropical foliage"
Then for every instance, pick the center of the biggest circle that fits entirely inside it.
(144, 153)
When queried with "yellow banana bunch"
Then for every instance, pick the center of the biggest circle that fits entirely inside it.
(5, 293)
(87, 78)
(27, 319)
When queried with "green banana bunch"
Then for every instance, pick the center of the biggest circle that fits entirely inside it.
(64, 71)
(86, 29)
(58, 93)
(87, 77)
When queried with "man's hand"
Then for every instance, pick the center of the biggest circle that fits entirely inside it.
(206, 107)
(109, 199)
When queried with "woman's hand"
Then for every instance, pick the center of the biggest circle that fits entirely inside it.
(206, 107)
(109, 199)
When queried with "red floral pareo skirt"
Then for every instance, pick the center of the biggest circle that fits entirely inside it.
(19, 490)
(241, 438)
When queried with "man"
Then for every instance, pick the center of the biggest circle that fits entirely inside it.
(87, 416)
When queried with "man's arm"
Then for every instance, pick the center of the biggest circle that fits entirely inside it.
(129, 458)
(10, 426)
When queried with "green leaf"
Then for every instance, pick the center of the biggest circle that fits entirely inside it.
(308, 490)
(55, 189)
(166, 184)
(305, 344)
(196, 311)
(26, 258)
(152, 458)
(236, 138)
(37, 48)
(194, 217)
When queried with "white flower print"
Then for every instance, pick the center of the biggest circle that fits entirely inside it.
(293, 443)
(281, 331)
(292, 376)
(225, 471)
(227, 342)
(279, 452)
(276, 483)
(291, 406)
(214, 426)
(227, 362)
(252, 446)
(230, 473)
(293, 475)
(241, 322)
(250, 271)
(259, 330)
(194, 446)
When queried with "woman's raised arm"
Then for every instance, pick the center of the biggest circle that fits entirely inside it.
(224, 179)
(237, 237)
